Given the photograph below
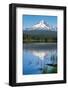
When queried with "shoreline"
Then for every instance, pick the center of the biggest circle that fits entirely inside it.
(40, 45)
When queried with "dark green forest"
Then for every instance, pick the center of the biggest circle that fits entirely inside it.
(29, 39)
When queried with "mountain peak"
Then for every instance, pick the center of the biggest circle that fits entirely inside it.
(41, 25)
(42, 22)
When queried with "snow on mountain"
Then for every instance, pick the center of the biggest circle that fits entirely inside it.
(41, 25)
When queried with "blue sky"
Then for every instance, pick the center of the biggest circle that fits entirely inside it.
(30, 20)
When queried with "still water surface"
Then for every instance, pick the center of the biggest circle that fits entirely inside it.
(39, 58)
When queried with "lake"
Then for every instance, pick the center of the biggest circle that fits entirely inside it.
(39, 58)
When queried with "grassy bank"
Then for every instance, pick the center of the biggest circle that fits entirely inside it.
(52, 70)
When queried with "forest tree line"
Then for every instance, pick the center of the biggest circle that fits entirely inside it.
(29, 39)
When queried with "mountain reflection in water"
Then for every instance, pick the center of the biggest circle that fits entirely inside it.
(39, 58)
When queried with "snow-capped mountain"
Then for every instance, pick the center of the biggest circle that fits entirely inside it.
(41, 25)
